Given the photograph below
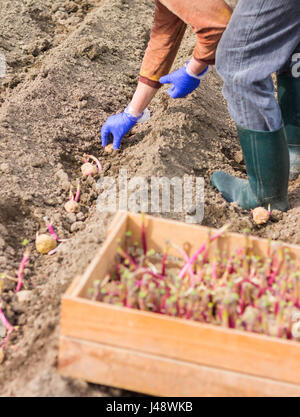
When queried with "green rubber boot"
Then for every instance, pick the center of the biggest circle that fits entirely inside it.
(289, 101)
(267, 161)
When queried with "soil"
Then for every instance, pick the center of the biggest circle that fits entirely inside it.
(71, 64)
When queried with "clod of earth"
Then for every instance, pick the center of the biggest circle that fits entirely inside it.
(24, 296)
(9, 329)
(2, 355)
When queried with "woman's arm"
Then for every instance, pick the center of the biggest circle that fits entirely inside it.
(208, 19)
(165, 39)
(142, 98)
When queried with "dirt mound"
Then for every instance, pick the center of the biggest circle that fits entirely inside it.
(69, 67)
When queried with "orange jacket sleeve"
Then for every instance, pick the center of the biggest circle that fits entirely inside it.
(165, 39)
(208, 19)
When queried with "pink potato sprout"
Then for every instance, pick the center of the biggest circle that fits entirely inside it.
(23, 263)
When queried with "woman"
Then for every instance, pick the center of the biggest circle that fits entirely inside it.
(208, 19)
(262, 37)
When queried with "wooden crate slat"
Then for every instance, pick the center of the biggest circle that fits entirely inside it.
(181, 339)
(160, 230)
(159, 376)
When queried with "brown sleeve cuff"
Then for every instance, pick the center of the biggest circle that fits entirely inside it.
(151, 83)
(205, 61)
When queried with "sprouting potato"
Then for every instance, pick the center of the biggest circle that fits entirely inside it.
(88, 169)
(109, 148)
(72, 206)
(260, 215)
(45, 243)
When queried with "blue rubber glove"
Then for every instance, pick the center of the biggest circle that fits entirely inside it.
(182, 83)
(116, 127)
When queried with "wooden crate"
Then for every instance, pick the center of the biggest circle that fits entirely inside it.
(165, 356)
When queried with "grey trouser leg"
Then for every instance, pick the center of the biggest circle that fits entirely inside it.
(260, 39)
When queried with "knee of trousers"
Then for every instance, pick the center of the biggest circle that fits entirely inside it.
(229, 65)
